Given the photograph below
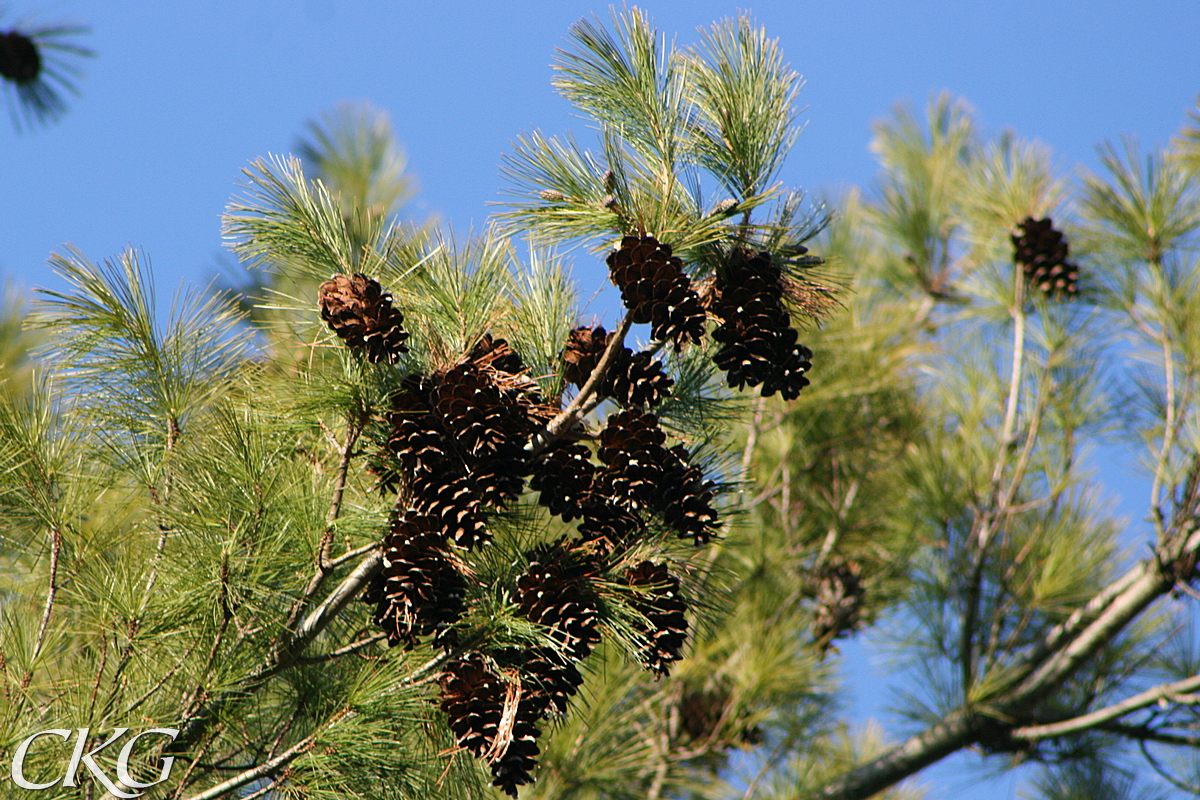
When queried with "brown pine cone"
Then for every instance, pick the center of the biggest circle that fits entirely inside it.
(760, 346)
(554, 591)
(659, 601)
(563, 474)
(1042, 251)
(457, 507)
(359, 311)
(632, 379)
(474, 699)
(656, 290)
(420, 590)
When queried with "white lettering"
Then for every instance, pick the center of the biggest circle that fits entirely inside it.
(18, 765)
(86, 759)
(123, 762)
(78, 756)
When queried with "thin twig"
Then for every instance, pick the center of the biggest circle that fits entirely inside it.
(1168, 441)
(324, 613)
(989, 520)
(1115, 711)
(352, 554)
(354, 422)
(251, 775)
(51, 592)
(361, 644)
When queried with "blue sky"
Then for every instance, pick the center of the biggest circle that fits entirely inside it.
(183, 95)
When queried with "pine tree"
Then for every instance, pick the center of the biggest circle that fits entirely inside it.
(334, 546)
(936, 490)
(421, 530)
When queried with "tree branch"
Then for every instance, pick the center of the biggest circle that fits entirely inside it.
(1070, 646)
(55, 549)
(361, 644)
(583, 401)
(1115, 711)
(928, 747)
(250, 775)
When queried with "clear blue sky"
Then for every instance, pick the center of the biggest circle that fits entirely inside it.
(182, 95)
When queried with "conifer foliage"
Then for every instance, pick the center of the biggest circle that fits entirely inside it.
(471, 428)
(521, 501)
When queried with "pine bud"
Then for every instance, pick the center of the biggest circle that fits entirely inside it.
(552, 195)
(725, 208)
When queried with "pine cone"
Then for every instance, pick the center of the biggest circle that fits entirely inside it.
(707, 715)
(1042, 251)
(760, 342)
(488, 426)
(520, 757)
(584, 347)
(554, 592)
(687, 500)
(496, 353)
(457, 507)
(637, 379)
(634, 458)
(419, 591)
(471, 410)
(420, 444)
(702, 711)
(660, 602)
(632, 379)
(359, 311)
(474, 699)
(839, 599)
(563, 474)
(606, 524)
(760, 345)
(20, 61)
(552, 679)
(655, 289)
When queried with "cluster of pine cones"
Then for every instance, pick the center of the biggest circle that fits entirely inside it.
(1042, 251)
(759, 345)
(459, 449)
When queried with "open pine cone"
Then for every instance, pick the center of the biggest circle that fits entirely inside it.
(1041, 251)
(359, 311)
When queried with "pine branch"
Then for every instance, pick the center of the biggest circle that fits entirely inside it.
(355, 647)
(992, 517)
(51, 592)
(1046, 669)
(1166, 691)
(268, 767)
